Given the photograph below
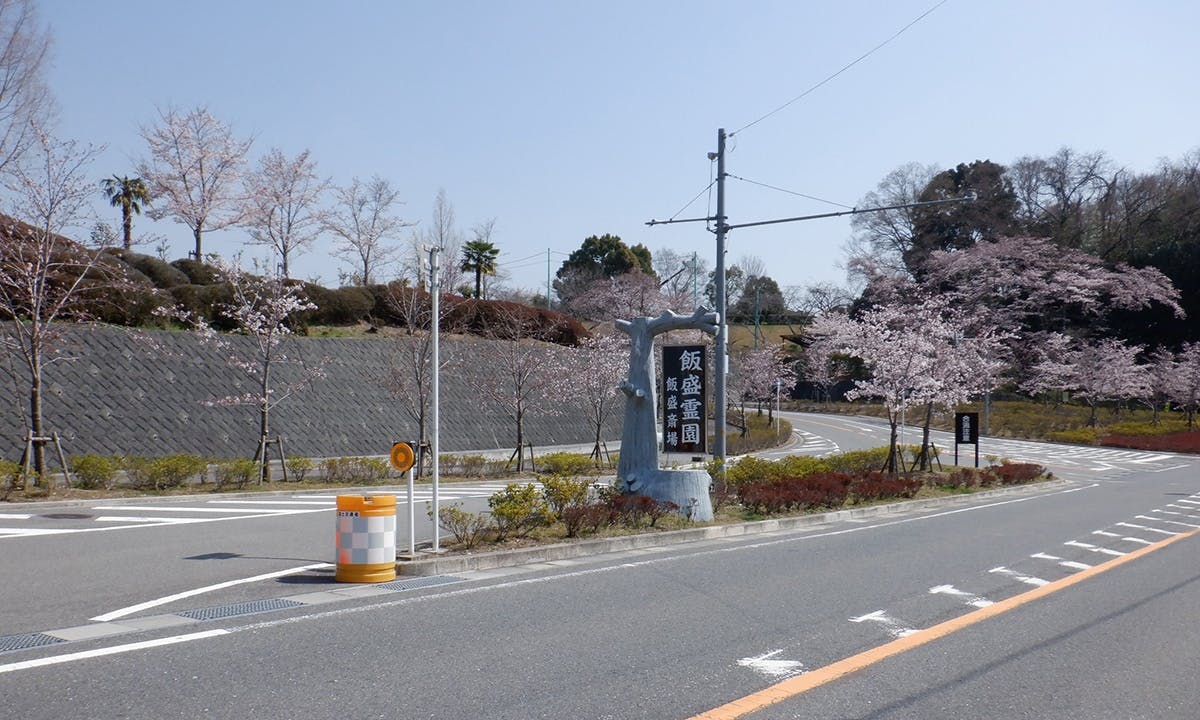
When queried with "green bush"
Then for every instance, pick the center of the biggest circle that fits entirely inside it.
(561, 492)
(1164, 426)
(162, 473)
(752, 469)
(299, 467)
(1082, 436)
(468, 528)
(355, 470)
(197, 273)
(94, 471)
(10, 475)
(519, 510)
(239, 472)
(341, 306)
(161, 273)
(564, 463)
(858, 460)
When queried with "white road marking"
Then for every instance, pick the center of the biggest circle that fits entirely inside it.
(1065, 563)
(13, 516)
(972, 600)
(1147, 529)
(1191, 503)
(1164, 520)
(764, 665)
(1094, 548)
(24, 532)
(890, 624)
(151, 508)
(1106, 533)
(199, 591)
(268, 502)
(1027, 579)
(149, 519)
(114, 650)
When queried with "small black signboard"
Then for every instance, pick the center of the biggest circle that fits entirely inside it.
(966, 432)
(684, 423)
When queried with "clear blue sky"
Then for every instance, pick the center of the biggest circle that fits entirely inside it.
(567, 119)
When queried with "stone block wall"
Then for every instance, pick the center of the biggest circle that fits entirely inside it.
(114, 390)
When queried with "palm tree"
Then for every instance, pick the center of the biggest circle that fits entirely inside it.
(129, 194)
(479, 256)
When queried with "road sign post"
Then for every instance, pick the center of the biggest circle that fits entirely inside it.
(966, 432)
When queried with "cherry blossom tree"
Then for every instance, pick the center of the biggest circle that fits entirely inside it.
(283, 197)
(597, 367)
(757, 373)
(1106, 370)
(919, 355)
(366, 227)
(1186, 388)
(25, 101)
(194, 171)
(822, 366)
(259, 309)
(526, 373)
(46, 278)
(632, 294)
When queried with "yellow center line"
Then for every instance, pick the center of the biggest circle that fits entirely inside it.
(803, 683)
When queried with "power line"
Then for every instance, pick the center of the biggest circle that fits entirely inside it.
(856, 61)
(789, 192)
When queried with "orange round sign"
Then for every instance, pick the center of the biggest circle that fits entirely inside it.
(402, 456)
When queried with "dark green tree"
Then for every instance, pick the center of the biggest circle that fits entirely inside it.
(957, 226)
(761, 298)
(600, 256)
(129, 194)
(479, 257)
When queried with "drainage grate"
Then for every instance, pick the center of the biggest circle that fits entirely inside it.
(419, 582)
(20, 642)
(236, 609)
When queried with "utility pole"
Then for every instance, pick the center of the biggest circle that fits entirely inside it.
(435, 291)
(721, 359)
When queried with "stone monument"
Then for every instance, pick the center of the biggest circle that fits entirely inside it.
(638, 466)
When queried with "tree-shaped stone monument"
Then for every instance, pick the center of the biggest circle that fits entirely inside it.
(638, 466)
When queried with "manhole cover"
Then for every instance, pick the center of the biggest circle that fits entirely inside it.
(68, 516)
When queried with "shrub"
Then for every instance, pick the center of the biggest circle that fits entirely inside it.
(1082, 436)
(239, 471)
(164, 472)
(564, 463)
(959, 479)
(823, 490)
(341, 306)
(10, 475)
(752, 469)
(299, 467)
(1015, 473)
(519, 510)
(355, 470)
(197, 272)
(858, 460)
(465, 465)
(875, 486)
(161, 273)
(1172, 442)
(591, 516)
(561, 493)
(466, 527)
(94, 471)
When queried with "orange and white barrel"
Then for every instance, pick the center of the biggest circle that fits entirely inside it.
(366, 538)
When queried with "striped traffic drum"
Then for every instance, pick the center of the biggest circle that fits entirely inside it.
(366, 538)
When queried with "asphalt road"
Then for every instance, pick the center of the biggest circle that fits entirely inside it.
(664, 633)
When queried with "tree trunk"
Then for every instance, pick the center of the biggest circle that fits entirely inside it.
(127, 226)
(264, 424)
(923, 460)
(196, 234)
(889, 466)
(520, 438)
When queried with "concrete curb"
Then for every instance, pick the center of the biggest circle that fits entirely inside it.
(466, 562)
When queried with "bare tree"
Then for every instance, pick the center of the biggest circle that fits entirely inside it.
(364, 224)
(441, 232)
(887, 236)
(259, 309)
(44, 277)
(25, 101)
(283, 197)
(194, 171)
(682, 277)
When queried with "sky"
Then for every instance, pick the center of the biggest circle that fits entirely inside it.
(561, 120)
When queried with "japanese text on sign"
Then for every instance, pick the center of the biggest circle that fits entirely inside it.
(683, 399)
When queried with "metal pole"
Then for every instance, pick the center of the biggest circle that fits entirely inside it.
(412, 516)
(435, 329)
(547, 278)
(721, 360)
